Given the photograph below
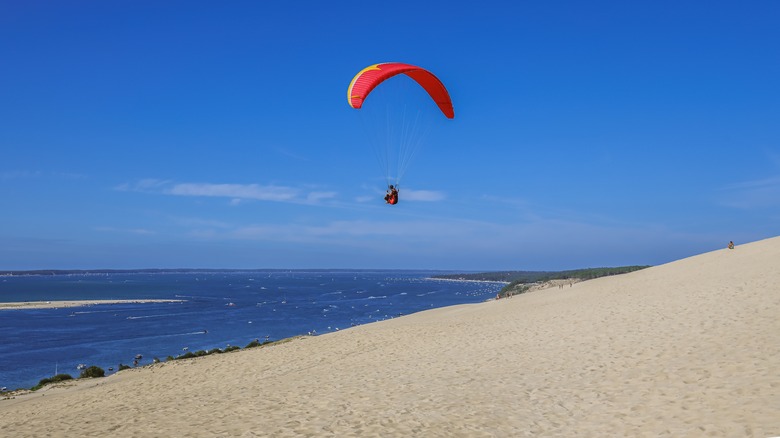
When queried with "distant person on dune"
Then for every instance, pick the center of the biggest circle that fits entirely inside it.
(731, 244)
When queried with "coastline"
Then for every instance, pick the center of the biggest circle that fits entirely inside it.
(682, 349)
(75, 303)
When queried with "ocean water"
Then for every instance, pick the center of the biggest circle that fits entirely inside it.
(218, 309)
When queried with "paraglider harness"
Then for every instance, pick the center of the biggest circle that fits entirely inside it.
(392, 195)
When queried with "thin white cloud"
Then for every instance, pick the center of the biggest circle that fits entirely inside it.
(137, 231)
(759, 183)
(291, 154)
(143, 185)
(422, 195)
(236, 193)
(758, 193)
(342, 230)
(319, 196)
(406, 194)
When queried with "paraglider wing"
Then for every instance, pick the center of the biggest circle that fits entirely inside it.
(368, 78)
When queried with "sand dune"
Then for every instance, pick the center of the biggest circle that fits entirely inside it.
(690, 348)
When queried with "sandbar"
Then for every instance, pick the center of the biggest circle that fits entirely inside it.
(75, 303)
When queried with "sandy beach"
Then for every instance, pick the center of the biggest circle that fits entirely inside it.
(690, 348)
(63, 304)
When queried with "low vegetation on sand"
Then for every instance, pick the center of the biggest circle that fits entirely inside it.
(523, 281)
(55, 379)
(95, 371)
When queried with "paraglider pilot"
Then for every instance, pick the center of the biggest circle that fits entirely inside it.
(392, 195)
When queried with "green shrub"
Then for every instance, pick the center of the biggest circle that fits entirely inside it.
(55, 379)
(61, 377)
(232, 348)
(93, 371)
(514, 288)
(123, 367)
(186, 355)
(255, 343)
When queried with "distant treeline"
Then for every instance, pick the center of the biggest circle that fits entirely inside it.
(537, 276)
(517, 279)
(505, 276)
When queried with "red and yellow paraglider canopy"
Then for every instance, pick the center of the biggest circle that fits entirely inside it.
(368, 78)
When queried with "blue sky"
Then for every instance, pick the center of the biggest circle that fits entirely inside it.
(140, 134)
